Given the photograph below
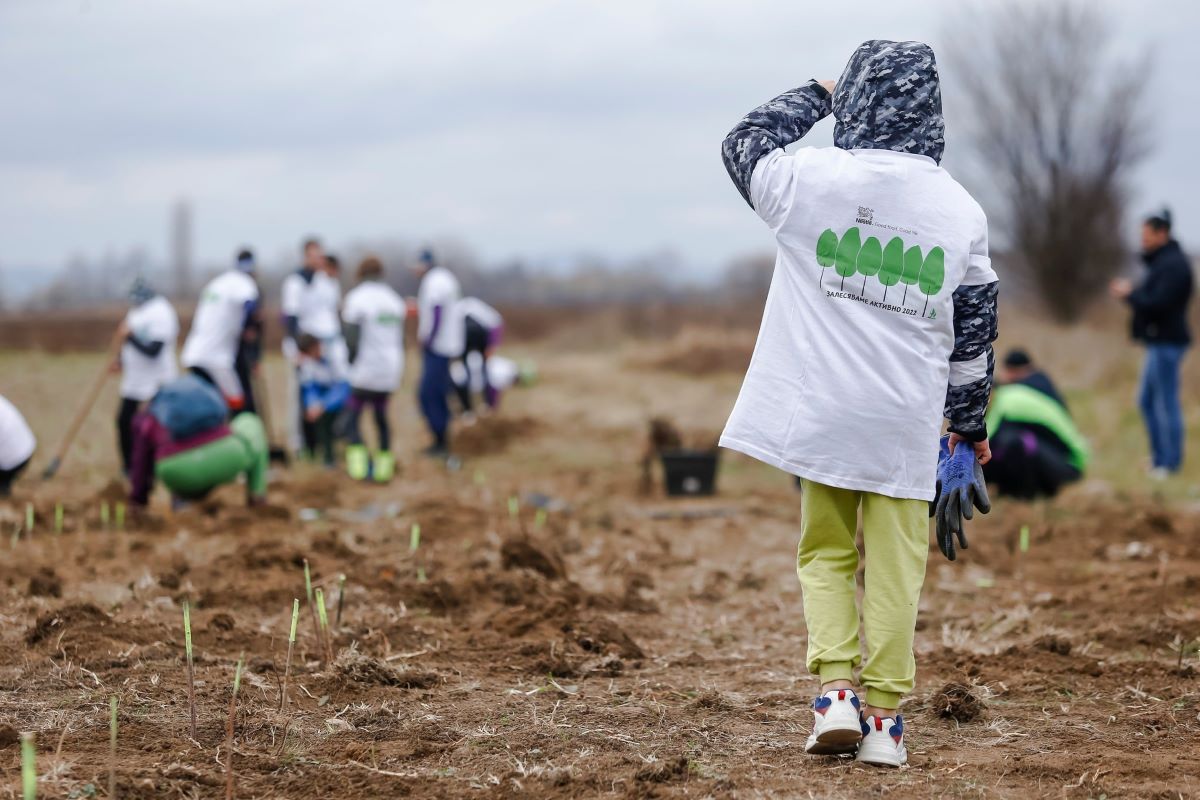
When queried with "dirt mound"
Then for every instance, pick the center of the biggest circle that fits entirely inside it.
(522, 553)
(9, 736)
(675, 769)
(602, 635)
(957, 702)
(45, 583)
(355, 668)
(76, 617)
(493, 435)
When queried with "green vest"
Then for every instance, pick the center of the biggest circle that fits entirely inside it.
(1018, 403)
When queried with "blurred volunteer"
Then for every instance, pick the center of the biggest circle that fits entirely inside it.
(852, 374)
(323, 395)
(483, 329)
(502, 374)
(1160, 312)
(1036, 448)
(228, 305)
(374, 317)
(310, 299)
(442, 336)
(17, 444)
(184, 440)
(147, 359)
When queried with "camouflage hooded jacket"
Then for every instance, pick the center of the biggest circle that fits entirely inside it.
(888, 98)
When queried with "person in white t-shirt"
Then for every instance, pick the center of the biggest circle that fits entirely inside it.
(310, 299)
(483, 329)
(147, 358)
(879, 322)
(17, 445)
(442, 336)
(228, 304)
(373, 317)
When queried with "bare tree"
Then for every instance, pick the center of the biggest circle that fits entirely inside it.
(1058, 125)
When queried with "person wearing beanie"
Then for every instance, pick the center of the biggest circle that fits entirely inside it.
(443, 336)
(228, 305)
(1160, 313)
(1036, 448)
(1019, 368)
(878, 325)
(147, 357)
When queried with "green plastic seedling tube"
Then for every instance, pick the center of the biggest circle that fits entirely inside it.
(28, 766)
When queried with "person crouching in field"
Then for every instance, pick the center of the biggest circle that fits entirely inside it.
(17, 444)
(856, 365)
(183, 440)
(373, 318)
(1036, 448)
(323, 394)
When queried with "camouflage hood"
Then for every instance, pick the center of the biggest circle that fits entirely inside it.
(889, 98)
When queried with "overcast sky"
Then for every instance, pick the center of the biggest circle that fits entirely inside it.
(534, 128)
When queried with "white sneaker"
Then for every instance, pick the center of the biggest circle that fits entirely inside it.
(836, 727)
(883, 742)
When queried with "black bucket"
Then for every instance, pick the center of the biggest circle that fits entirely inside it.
(690, 473)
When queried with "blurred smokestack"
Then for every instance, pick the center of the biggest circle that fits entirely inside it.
(181, 247)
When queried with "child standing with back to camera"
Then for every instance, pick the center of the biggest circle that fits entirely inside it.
(855, 366)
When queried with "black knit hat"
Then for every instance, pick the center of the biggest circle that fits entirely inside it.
(1017, 358)
(1160, 219)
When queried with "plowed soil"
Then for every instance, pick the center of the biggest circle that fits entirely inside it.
(618, 645)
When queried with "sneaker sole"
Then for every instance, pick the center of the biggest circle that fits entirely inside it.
(884, 759)
(835, 742)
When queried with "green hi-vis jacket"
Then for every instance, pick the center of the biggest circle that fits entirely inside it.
(1017, 403)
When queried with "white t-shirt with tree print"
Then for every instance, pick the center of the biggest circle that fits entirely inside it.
(849, 375)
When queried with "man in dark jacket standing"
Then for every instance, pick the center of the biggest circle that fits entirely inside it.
(1160, 306)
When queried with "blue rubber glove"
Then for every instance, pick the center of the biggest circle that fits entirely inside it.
(960, 490)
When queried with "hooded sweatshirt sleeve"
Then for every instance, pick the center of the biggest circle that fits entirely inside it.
(972, 360)
(766, 129)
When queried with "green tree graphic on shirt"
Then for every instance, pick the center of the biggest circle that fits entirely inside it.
(870, 260)
(893, 264)
(890, 264)
(826, 251)
(846, 260)
(933, 273)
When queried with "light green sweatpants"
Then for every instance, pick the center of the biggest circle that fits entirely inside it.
(896, 543)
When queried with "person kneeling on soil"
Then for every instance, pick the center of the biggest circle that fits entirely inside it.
(183, 440)
(17, 444)
(322, 396)
(847, 384)
(1036, 448)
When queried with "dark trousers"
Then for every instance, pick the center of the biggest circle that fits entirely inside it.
(320, 436)
(7, 476)
(378, 401)
(125, 414)
(1028, 462)
(435, 385)
(477, 342)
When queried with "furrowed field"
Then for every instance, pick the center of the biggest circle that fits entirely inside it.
(619, 644)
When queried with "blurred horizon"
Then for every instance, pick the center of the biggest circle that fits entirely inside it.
(552, 137)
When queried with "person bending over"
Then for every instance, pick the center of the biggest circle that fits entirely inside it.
(17, 445)
(183, 440)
